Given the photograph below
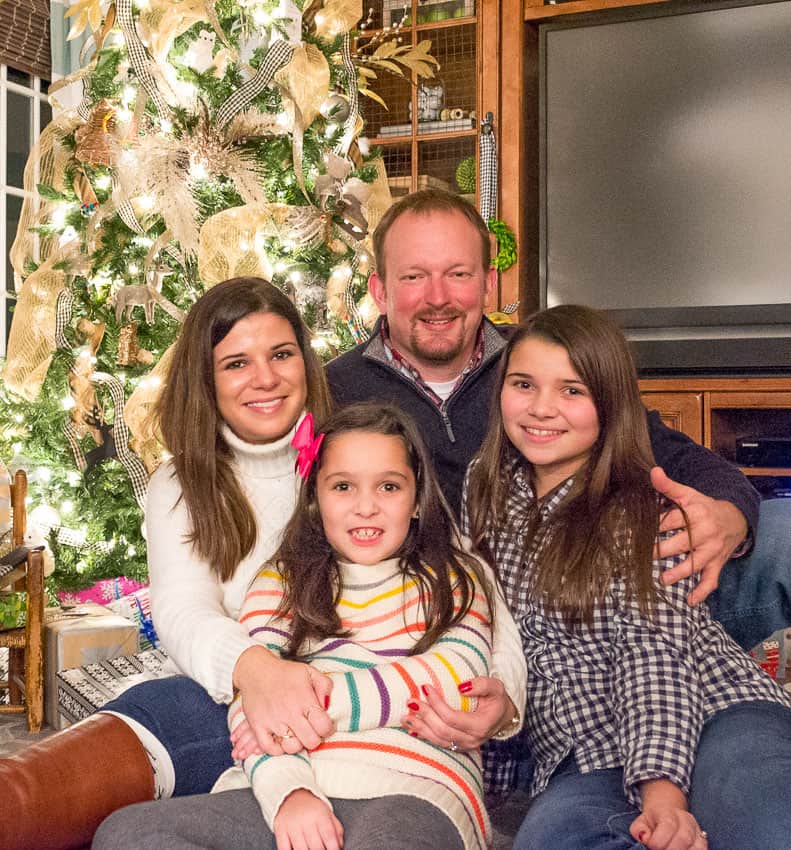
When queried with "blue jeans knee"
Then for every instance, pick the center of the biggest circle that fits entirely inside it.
(753, 599)
(741, 778)
(191, 726)
(579, 811)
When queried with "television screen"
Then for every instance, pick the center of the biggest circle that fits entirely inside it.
(666, 180)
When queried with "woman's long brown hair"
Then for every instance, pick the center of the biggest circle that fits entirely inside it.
(607, 526)
(431, 554)
(223, 523)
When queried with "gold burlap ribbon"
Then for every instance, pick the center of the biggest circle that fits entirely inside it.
(32, 343)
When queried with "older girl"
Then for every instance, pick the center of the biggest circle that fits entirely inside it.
(649, 726)
(242, 376)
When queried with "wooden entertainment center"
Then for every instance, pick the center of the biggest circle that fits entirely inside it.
(714, 411)
(489, 58)
(718, 411)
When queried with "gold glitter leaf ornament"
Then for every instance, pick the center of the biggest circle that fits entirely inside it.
(337, 17)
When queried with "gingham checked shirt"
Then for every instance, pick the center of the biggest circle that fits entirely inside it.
(622, 691)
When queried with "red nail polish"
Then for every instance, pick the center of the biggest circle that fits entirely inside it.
(326, 702)
(413, 705)
(413, 734)
(465, 687)
(424, 688)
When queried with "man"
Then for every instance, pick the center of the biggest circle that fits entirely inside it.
(433, 353)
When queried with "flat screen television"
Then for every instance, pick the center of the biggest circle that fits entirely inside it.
(665, 180)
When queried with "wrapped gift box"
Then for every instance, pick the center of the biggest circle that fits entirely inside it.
(83, 690)
(81, 635)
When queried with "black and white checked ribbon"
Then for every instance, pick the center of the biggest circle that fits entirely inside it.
(350, 125)
(63, 308)
(63, 311)
(488, 169)
(277, 57)
(135, 468)
(127, 215)
(73, 439)
(355, 318)
(138, 55)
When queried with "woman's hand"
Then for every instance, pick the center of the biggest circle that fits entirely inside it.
(665, 822)
(439, 724)
(303, 822)
(284, 703)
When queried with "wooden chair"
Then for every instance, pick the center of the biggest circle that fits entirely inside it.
(22, 569)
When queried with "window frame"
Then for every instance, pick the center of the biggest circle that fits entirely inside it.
(36, 92)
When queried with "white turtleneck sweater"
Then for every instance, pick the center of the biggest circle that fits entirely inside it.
(195, 614)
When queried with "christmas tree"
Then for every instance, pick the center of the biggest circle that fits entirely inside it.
(213, 140)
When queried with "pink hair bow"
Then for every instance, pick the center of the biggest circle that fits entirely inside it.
(307, 445)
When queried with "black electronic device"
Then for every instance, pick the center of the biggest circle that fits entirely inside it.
(664, 182)
(763, 451)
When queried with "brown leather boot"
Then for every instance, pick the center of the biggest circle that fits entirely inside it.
(57, 792)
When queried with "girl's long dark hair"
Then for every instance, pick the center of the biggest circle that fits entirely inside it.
(607, 526)
(224, 527)
(431, 554)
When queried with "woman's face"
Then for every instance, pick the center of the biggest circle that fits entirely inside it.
(259, 378)
(548, 412)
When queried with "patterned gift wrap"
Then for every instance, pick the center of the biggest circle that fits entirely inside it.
(137, 607)
(86, 634)
(83, 690)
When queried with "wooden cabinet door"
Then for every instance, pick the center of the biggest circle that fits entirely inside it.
(682, 411)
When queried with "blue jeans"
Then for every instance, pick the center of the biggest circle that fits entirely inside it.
(753, 599)
(192, 727)
(739, 791)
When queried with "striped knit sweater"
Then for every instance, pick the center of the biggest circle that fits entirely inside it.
(370, 755)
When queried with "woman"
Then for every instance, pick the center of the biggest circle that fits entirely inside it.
(242, 375)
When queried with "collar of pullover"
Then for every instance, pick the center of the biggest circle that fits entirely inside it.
(263, 460)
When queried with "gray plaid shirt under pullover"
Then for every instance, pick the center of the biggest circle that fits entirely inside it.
(622, 691)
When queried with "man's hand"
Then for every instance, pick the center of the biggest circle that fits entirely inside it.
(716, 527)
(439, 724)
(283, 702)
(303, 822)
(665, 822)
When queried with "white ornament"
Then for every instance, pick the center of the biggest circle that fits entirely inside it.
(430, 101)
(289, 23)
(200, 56)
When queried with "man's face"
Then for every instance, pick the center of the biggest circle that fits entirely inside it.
(433, 291)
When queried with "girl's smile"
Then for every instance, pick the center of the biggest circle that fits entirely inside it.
(548, 412)
(366, 495)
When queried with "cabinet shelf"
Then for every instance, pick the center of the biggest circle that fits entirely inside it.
(423, 137)
(718, 412)
(767, 471)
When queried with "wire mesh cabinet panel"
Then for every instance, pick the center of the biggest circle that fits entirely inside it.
(427, 128)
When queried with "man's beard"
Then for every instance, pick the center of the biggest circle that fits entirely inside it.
(440, 350)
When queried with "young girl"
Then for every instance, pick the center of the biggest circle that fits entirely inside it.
(649, 726)
(371, 587)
